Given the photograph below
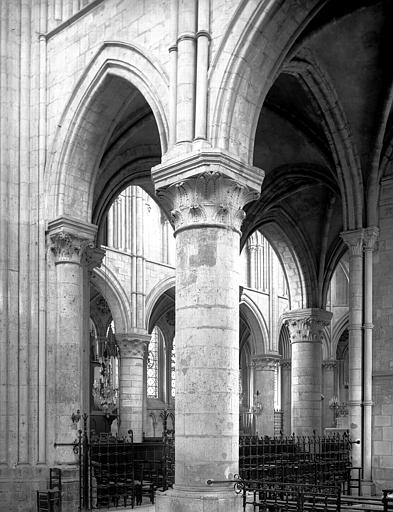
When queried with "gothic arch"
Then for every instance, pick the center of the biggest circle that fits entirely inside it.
(298, 288)
(106, 282)
(110, 82)
(154, 296)
(258, 329)
(340, 326)
(245, 65)
(337, 130)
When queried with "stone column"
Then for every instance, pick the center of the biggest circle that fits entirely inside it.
(328, 390)
(354, 240)
(306, 334)
(69, 239)
(131, 392)
(286, 394)
(370, 238)
(264, 366)
(207, 212)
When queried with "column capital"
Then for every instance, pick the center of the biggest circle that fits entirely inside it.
(354, 239)
(132, 345)
(285, 364)
(371, 235)
(70, 238)
(307, 325)
(94, 257)
(207, 188)
(265, 361)
(329, 364)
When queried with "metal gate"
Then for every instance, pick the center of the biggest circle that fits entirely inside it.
(111, 473)
(106, 470)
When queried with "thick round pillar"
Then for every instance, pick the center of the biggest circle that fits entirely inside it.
(306, 334)
(207, 211)
(264, 368)
(69, 241)
(207, 346)
(131, 392)
(354, 240)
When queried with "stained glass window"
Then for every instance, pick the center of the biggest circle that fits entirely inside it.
(153, 364)
(173, 367)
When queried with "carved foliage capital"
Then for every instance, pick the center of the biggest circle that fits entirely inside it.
(207, 198)
(307, 325)
(265, 362)
(68, 247)
(370, 238)
(286, 364)
(354, 239)
(131, 347)
(329, 364)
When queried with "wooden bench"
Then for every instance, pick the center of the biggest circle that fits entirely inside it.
(276, 496)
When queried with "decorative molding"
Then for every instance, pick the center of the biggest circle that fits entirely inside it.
(307, 325)
(195, 163)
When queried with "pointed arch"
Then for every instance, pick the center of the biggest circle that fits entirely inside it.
(153, 297)
(337, 131)
(117, 73)
(113, 292)
(245, 65)
(259, 333)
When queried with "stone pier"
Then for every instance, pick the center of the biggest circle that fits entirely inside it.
(207, 211)
(306, 334)
(132, 355)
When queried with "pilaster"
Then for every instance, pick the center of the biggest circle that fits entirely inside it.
(306, 327)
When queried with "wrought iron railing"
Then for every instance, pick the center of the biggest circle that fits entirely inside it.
(304, 459)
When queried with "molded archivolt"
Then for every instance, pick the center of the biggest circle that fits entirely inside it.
(257, 42)
(259, 333)
(153, 298)
(104, 90)
(112, 291)
(337, 131)
(340, 326)
(299, 293)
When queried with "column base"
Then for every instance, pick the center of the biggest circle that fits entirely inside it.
(367, 488)
(194, 501)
